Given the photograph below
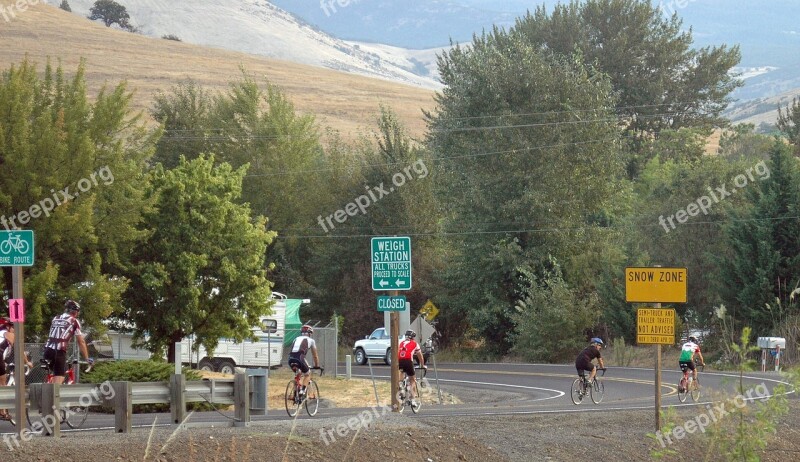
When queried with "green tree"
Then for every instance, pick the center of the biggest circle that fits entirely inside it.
(765, 245)
(185, 114)
(789, 123)
(110, 12)
(661, 81)
(65, 6)
(526, 155)
(551, 318)
(202, 270)
(73, 173)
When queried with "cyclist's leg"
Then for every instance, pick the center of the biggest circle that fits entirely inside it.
(692, 366)
(58, 364)
(592, 372)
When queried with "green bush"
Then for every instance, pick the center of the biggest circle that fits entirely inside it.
(140, 371)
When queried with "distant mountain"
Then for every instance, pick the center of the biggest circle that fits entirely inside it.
(767, 32)
(258, 27)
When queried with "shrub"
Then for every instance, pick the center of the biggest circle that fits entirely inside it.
(171, 37)
(140, 371)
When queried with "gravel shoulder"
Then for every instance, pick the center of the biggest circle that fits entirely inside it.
(600, 435)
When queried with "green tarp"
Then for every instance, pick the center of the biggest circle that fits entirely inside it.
(293, 323)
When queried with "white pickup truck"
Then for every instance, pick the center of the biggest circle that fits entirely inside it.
(378, 345)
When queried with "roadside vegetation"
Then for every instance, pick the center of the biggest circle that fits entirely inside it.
(560, 151)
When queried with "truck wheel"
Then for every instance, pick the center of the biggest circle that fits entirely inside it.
(226, 366)
(206, 365)
(388, 358)
(361, 357)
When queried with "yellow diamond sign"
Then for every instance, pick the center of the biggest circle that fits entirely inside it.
(429, 310)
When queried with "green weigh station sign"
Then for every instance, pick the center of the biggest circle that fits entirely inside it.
(391, 263)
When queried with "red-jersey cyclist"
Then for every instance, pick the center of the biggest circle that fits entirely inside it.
(406, 351)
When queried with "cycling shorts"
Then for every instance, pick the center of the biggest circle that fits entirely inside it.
(300, 361)
(58, 360)
(407, 366)
(3, 370)
(686, 364)
(582, 366)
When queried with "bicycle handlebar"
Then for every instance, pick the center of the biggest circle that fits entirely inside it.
(602, 369)
(320, 369)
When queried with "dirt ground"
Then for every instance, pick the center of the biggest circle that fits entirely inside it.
(603, 435)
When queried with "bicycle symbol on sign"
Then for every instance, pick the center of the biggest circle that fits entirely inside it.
(14, 242)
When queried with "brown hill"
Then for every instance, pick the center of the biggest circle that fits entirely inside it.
(344, 102)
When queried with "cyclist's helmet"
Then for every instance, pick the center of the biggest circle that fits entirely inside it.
(5, 322)
(71, 306)
(410, 333)
(693, 339)
(597, 341)
(306, 330)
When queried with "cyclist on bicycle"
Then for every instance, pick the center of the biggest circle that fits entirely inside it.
(62, 329)
(686, 360)
(584, 360)
(297, 356)
(406, 352)
(6, 341)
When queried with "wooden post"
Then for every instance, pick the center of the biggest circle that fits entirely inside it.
(51, 405)
(658, 382)
(123, 406)
(177, 391)
(241, 400)
(19, 354)
(394, 328)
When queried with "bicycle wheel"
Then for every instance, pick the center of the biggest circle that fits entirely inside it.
(685, 393)
(577, 392)
(312, 398)
(415, 404)
(292, 400)
(74, 416)
(695, 390)
(597, 391)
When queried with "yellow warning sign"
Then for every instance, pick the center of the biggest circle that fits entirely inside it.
(656, 285)
(429, 310)
(655, 326)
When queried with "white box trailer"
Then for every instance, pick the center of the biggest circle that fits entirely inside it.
(265, 351)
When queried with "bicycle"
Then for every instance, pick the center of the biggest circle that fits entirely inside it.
(688, 385)
(13, 242)
(404, 392)
(294, 399)
(73, 415)
(10, 382)
(581, 387)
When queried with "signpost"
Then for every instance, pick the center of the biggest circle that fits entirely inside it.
(656, 285)
(429, 310)
(656, 326)
(16, 251)
(391, 303)
(390, 259)
(391, 263)
(16, 248)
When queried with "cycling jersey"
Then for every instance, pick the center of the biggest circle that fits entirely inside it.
(62, 329)
(688, 351)
(300, 347)
(3, 341)
(407, 349)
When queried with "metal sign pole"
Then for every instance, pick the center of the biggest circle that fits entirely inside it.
(658, 382)
(394, 320)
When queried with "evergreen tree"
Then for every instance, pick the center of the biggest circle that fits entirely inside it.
(65, 6)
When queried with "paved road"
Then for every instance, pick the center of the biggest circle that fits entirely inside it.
(533, 389)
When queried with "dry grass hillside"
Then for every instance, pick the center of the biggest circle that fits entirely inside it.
(341, 101)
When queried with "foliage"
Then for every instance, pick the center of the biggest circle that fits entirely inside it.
(140, 371)
(524, 145)
(551, 318)
(110, 12)
(789, 122)
(765, 244)
(73, 173)
(627, 39)
(172, 37)
(65, 6)
(202, 270)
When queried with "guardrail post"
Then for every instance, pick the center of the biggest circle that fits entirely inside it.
(241, 398)
(51, 403)
(123, 406)
(35, 397)
(348, 367)
(177, 391)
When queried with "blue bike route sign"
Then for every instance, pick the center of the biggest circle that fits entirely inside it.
(16, 248)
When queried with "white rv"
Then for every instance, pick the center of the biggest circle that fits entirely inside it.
(265, 351)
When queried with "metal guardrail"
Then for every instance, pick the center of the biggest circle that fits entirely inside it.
(122, 395)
